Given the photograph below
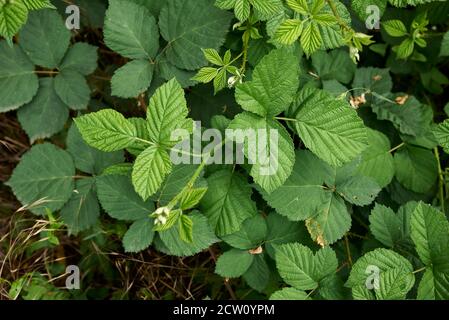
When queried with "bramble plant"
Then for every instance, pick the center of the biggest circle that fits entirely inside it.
(281, 135)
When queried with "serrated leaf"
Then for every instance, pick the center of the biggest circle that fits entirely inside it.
(38, 4)
(441, 133)
(409, 118)
(18, 83)
(88, 159)
(266, 9)
(166, 112)
(43, 179)
(372, 79)
(186, 229)
(331, 222)
(139, 235)
(227, 266)
(434, 285)
(250, 236)
(170, 241)
(131, 30)
(273, 85)
(82, 210)
(444, 50)
(296, 265)
(192, 198)
(289, 294)
(119, 200)
(80, 57)
(190, 26)
(73, 89)
(273, 164)
(289, 31)
(132, 79)
(386, 261)
(359, 190)
(377, 161)
(328, 127)
(172, 219)
(258, 275)
(242, 10)
(12, 16)
(281, 230)
(302, 194)
(364, 11)
(430, 233)
(45, 38)
(311, 39)
(385, 225)
(416, 168)
(46, 114)
(227, 203)
(395, 28)
(149, 171)
(206, 74)
(335, 65)
(106, 130)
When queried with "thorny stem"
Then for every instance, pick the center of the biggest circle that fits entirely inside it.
(440, 179)
(397, 147)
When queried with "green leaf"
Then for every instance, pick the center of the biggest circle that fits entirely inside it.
(273, 86)
(213, 57)
(82, 210)
(250, 236)
(395, 28)
(45, 115)
(172, 219)
(186, 229)
(119, 200)
(203, 236)
(88, 159)
(296, 266)
(328, 127)
(242, 10)
(192, 198)
(409, 118)
(227, 202)
(258, 275)
(43, 179)
(190, 26)
(166, 113)
(227, 266)
(106, 130)
(361, 7)
(331, 222)
(405, 49)
(300, 6)
(149, 171)
(359, 190)
(394, 270)
(311, 39)
(434, 285)
(131, 30)
(335, 65)
(206, 74)
(139, 235)
(289, 294)
(441, 133)
(288, 31)
(416, 168)
(73, 89)
(430, 233)
(80, 57)
(38, 4)
(444, 50)
(372, 79)
(18, 83)
(377, 161)
(267, 8)
(12, 16)
(302, 194)
(122, 169)
(272, 171)
(281, 230)
(386, 226)
(45, 38)
(132, 79)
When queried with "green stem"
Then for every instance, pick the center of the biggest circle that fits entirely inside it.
(397, 147)
(419, 270)
(440, 179)
(285, 119)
